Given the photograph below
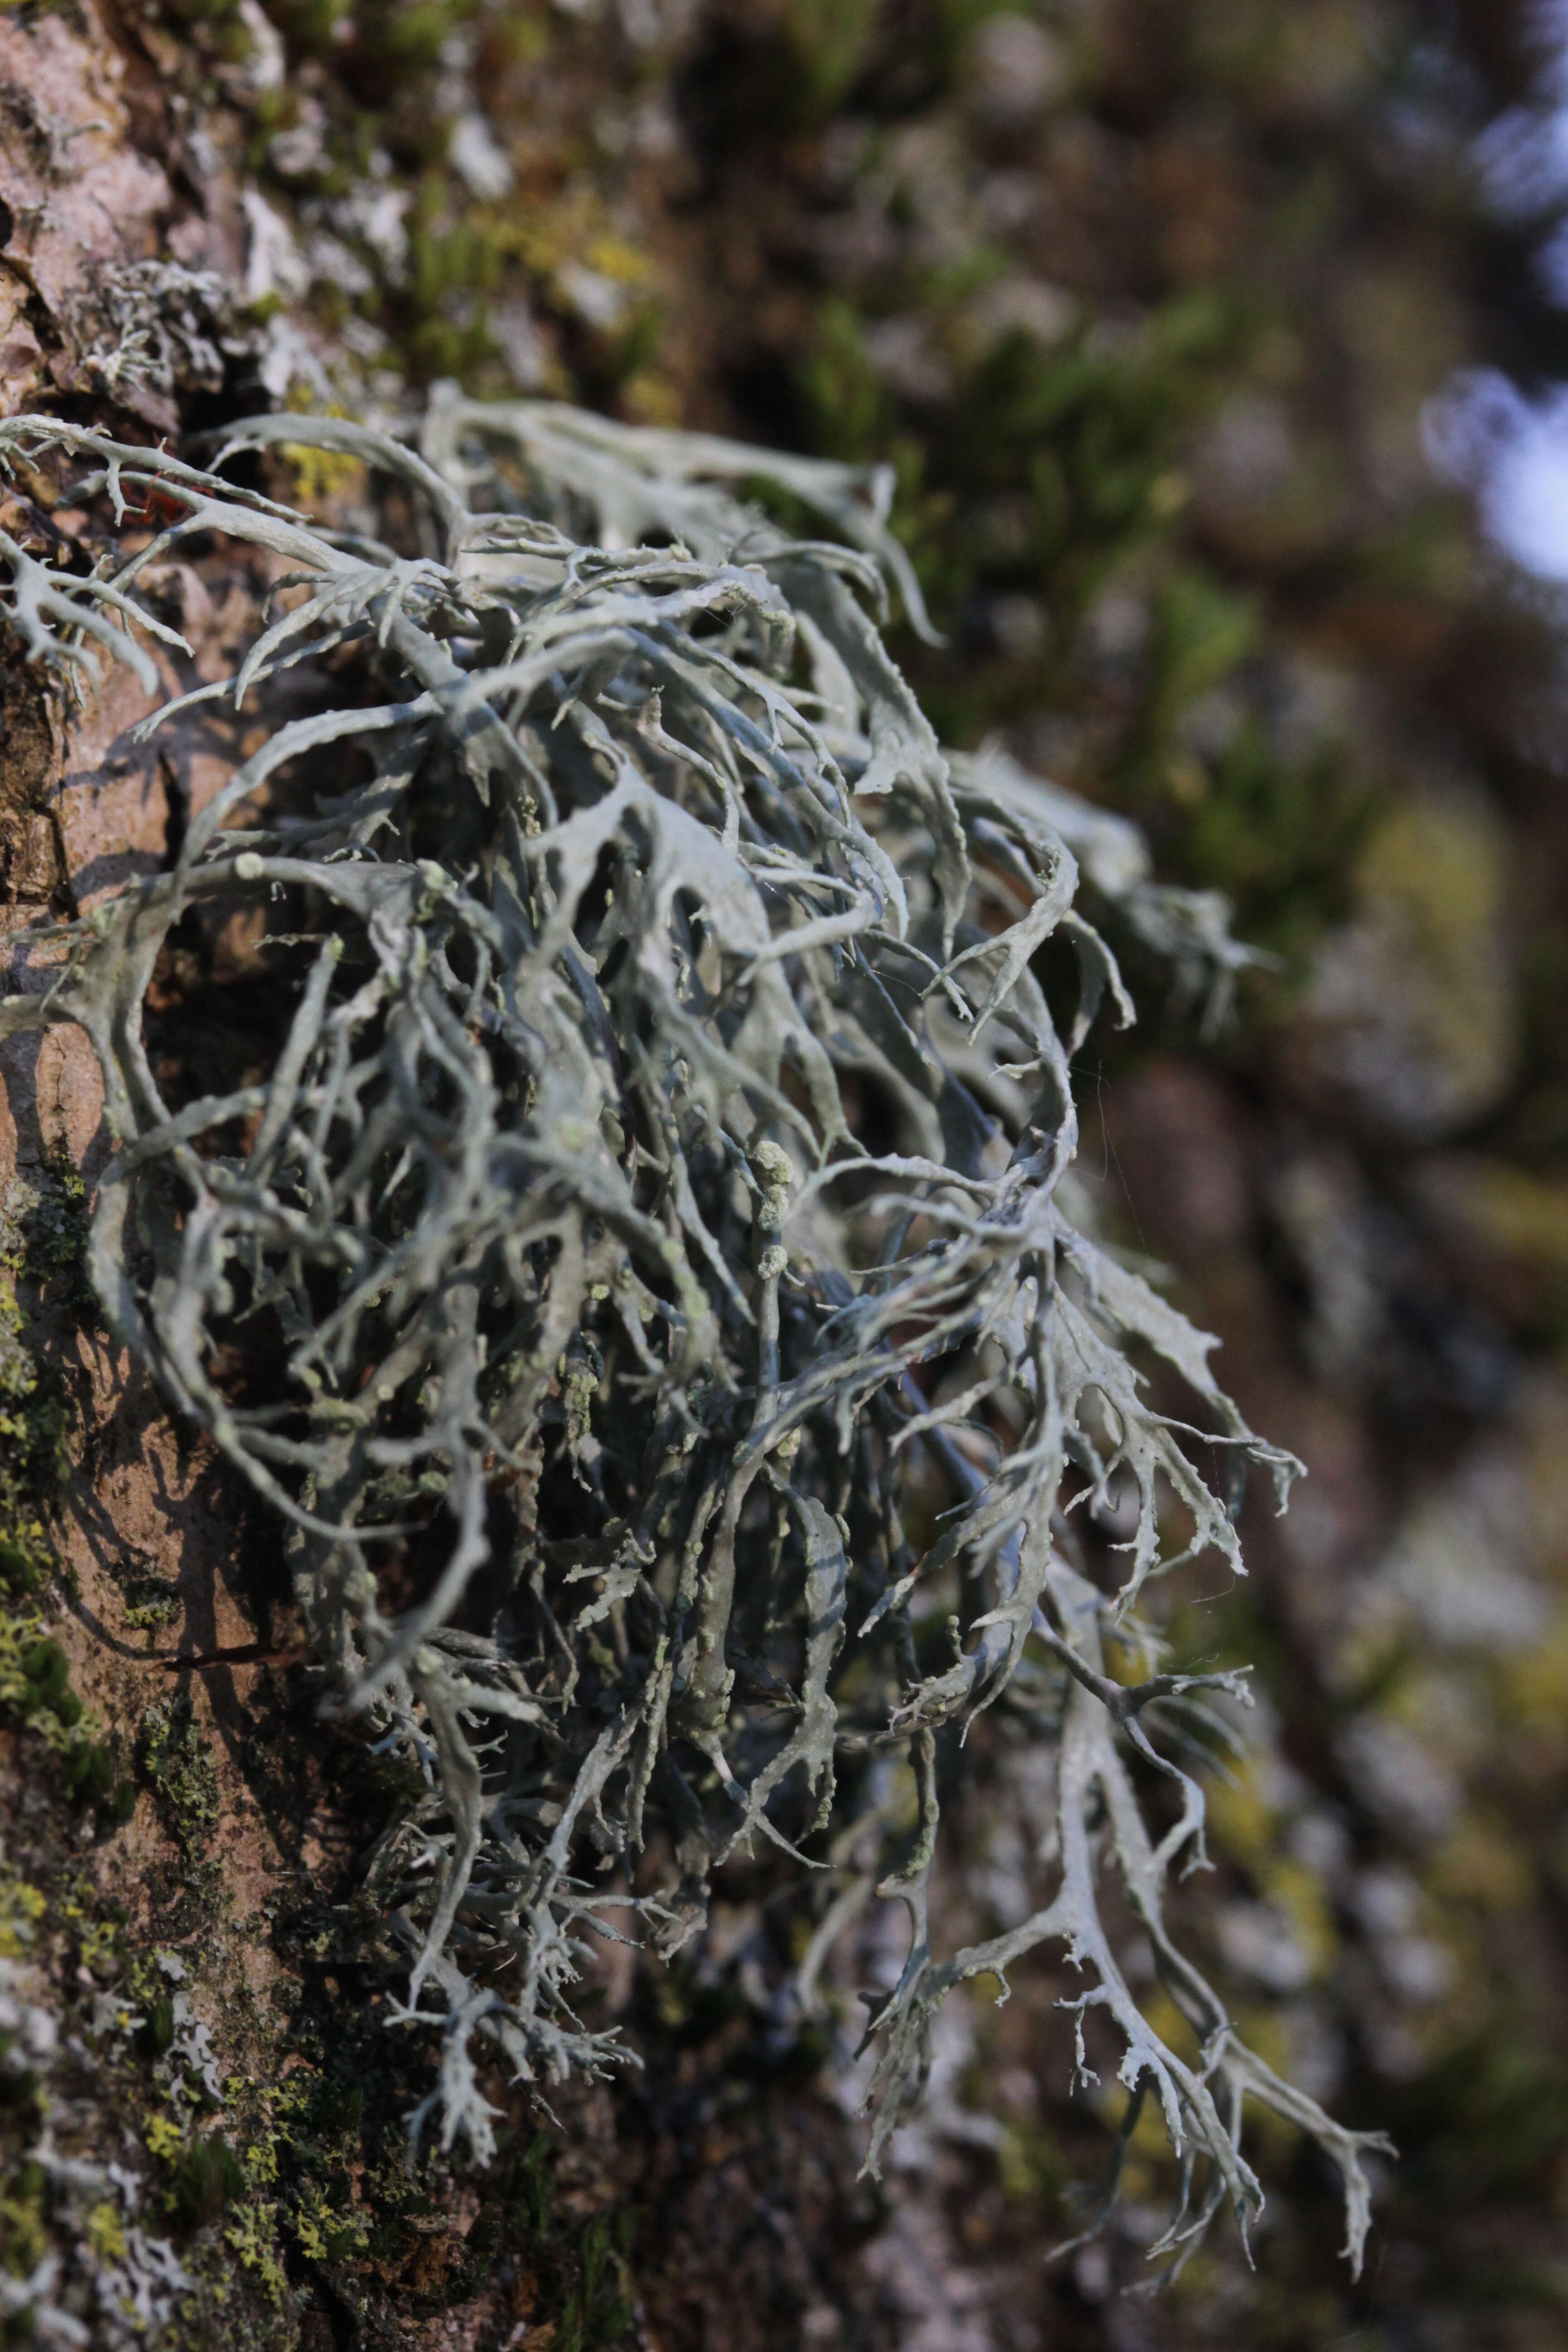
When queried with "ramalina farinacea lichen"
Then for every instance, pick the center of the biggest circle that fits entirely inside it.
(643, 1275)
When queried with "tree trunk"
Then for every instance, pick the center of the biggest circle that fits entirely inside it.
(754, 219)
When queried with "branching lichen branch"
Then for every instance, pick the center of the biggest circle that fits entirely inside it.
(654, 1207)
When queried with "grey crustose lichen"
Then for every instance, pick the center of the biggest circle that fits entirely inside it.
(596, 1301)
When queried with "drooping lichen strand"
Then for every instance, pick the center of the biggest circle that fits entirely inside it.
(669, 1089)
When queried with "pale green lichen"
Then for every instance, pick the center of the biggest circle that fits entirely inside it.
(580, 1273)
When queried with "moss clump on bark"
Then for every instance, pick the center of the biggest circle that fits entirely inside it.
(42, 1239)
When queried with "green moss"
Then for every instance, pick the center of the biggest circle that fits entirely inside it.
(403, 39)
(33, 1424)
(36, 1691)
(826, 42)
(311, 28)
(206, 2178)
(55, 1230)
(179, 1769)
(599, 2308)
(849, 413)
(1489, 2119)
(1053, 475)
(151, 1603)
(43, 1242)
(1050, 467)
(1030, 2167)
(1279, 836)
(24, 2238)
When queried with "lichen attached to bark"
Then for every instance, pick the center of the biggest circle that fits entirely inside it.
(647, 1276)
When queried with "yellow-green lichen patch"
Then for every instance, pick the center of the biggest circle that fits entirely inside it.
(21, 1908)
(178, 1766)
(251, 2236)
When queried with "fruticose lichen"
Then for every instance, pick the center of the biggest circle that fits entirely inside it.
(648, 1272)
